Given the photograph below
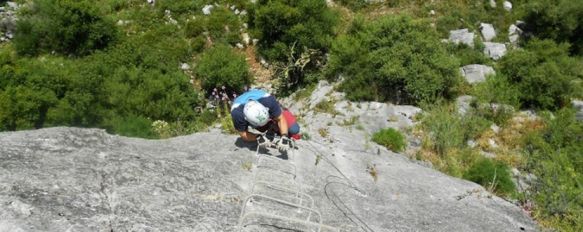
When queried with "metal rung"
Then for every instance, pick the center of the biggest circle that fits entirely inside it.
(284, 189)
(243, 215)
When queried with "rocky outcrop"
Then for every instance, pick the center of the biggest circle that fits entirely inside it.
(476, 73)
(61, 179)
(462, 36)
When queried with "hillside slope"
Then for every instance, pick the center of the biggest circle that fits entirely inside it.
(71, 179)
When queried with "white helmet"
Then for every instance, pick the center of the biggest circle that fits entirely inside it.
(256, 114)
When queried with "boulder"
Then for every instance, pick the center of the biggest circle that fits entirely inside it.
(514, 33)
(462, 36)
(463, 104)
(494, 50)
(493, 3)
(246, 38)
(578, 105)
(476, 73)
(488, 31)
(507, 5)
(207, 9)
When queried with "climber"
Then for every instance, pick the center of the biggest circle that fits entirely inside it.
(260, 111)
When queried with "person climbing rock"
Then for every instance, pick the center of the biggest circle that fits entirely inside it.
(259, 110)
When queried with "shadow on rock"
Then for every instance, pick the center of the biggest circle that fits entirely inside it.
(252, 146)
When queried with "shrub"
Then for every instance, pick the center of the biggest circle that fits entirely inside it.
(447, 130)
(354, 4)
(221, 66)
(390, 138)
(222, 26)
(543, 73)
(283, 26)
(560, 20)
(493, 175)
(65, 26)
(393, 58)
(132, 126)
(554, 156)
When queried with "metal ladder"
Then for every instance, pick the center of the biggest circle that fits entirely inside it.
(285, 192)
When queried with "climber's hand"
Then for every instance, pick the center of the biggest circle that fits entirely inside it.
(262, 141)
(284, 144)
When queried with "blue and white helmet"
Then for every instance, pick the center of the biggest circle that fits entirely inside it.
(256, 114)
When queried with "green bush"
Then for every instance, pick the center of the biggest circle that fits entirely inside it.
(560, 20)
(354, 4)
(390, 138)
(393, 58)
(284, 26)
(132, 126)
(221, 66)
(448, 130)
(64, 26)
(543, 73)
(492, 175)
(554, 156)
(222, 26)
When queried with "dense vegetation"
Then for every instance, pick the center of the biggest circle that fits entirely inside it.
(393, 58)
(151, 71)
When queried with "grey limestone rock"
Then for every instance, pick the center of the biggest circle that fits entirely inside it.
(514, 33)
(61, 179)
(462, 36)
(463, 104)
(578, 105)
(476, 73)
(488, 31)
(493, 3)
(494, 50)
(207, 9)
(507, 5)
(72, 179)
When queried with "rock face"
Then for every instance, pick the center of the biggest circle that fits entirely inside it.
(494, 50)
(71, 179)
(476, 73)
(488, 31)
(462, 36)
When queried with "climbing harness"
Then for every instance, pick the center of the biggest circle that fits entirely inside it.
(279, 175)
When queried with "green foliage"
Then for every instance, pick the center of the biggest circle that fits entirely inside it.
(354, 4)
(543, 73)
(390, 138)
(448, 130)
(494, 176)
(393, 58)
(554, 156)
(64, 26)
(283, 26)
(497, 89)
(560, 20)
(222, 26)
(468, 55)
(221, 66)
(132, 126)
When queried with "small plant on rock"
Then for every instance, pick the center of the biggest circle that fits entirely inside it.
(390, 138)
